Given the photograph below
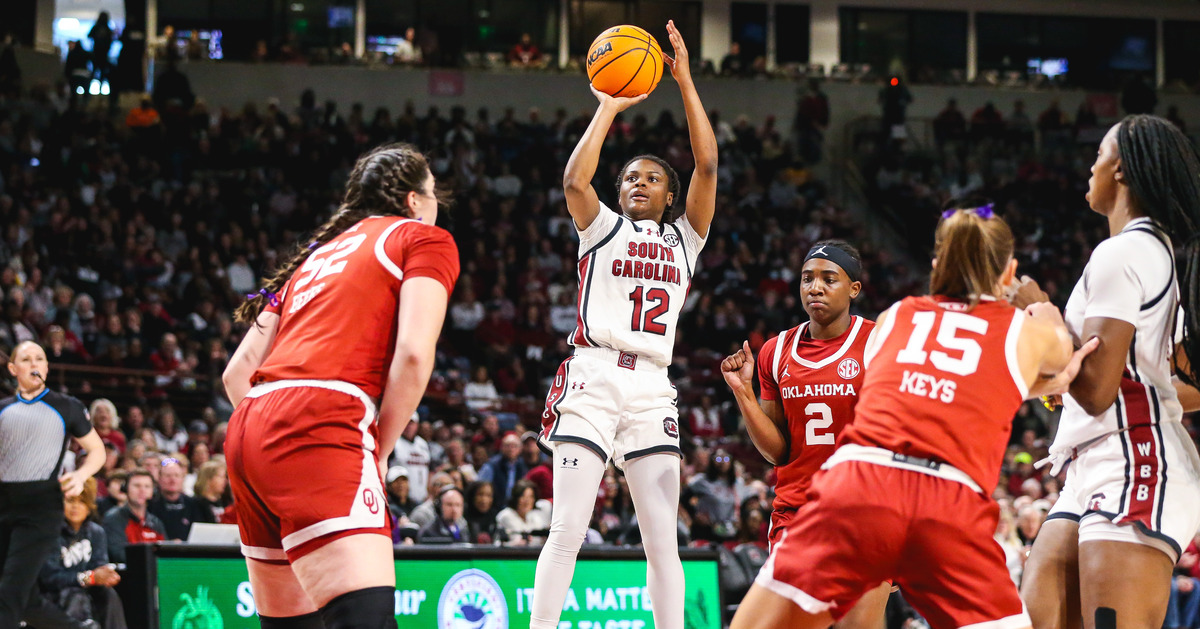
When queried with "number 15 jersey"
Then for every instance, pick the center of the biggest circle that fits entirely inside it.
(633, 279)
(816, 383)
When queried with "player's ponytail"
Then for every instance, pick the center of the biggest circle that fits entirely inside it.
(378, 185)
(973, 246)
(1162, 168)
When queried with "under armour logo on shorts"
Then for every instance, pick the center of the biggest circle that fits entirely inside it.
(571, 462)
(577, 385)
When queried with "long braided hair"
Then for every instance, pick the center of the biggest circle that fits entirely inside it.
(379, 184)
(1162, 168)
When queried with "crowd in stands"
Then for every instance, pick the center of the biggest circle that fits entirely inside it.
(129, 241)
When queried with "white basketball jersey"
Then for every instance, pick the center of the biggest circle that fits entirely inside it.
(1130, 277)
(633, 279)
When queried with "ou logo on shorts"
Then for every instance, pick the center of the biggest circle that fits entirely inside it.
(848, 369)
(369, 499)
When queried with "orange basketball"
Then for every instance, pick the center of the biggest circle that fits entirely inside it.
(625, 61)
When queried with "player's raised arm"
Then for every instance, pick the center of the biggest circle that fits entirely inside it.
(702, 193)
(762, 419)
(582, 202)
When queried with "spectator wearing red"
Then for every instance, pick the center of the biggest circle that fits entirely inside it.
(525, 54)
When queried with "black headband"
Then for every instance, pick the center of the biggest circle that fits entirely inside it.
(835, 255)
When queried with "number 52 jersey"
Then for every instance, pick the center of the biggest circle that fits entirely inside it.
(338, 311)
(633, 279)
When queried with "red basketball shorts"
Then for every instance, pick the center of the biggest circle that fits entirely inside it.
(870, 523)
(302, 467)
(781, 518)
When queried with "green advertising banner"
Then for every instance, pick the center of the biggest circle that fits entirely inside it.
(449, 594)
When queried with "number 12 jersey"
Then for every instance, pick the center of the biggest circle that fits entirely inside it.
(633, 279)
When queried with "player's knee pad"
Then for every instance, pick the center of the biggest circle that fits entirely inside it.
(368, 608)
(307, 621)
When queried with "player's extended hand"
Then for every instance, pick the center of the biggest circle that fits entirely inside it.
(738, 369)
(1025, 292)
(680, 65)
(620, 103)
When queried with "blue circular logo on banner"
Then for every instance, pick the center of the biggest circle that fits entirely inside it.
(472, 600)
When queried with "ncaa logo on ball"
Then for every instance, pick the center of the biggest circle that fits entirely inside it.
(472, 599)
(848, 369)
(599, 52)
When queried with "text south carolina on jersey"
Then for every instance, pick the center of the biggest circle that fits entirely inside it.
(654, 263)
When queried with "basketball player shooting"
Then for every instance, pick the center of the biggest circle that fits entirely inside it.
(612, 398)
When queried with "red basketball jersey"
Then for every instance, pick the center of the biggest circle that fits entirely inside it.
(817, 383)
(943, 383)
(338, 311)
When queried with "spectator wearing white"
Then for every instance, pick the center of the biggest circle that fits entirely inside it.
(521, 519)
(241, 276)
(169, 437)
(412, 452)
(468, 311)
(480, 393)
(407, 51)
(506, 184)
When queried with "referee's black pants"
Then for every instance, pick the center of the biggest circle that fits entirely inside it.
(31, 515)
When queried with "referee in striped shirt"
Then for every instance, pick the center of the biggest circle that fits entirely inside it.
(36, 425)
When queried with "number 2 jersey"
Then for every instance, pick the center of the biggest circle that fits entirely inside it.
(943, 384)
(633, 279)
(816, 383)
(338, 311)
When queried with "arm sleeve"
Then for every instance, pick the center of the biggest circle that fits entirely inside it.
(201, 513)
(605, 221)
(156, 523)
(55, 576)
(690, 238)
(486, 473)
(1115, 288)
(425, 251)
(75, 415)
(115, 533)
(766, 376)
(99, 546)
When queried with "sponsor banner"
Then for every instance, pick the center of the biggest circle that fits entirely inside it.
(215, 593)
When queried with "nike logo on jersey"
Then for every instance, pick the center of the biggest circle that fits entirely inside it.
(816, 390)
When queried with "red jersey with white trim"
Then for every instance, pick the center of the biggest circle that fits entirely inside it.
(943, 384)
(338, 311)
(817, 383)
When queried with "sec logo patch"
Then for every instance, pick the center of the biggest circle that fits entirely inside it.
(848, 369)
